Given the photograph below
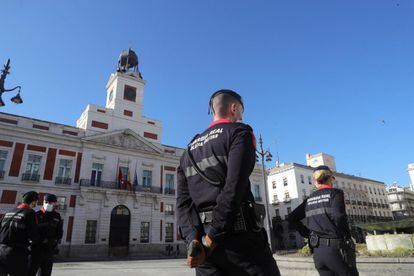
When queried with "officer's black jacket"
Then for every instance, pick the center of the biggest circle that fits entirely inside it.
(18, 227)
(225, 152)
(324, 213)
(49, 229)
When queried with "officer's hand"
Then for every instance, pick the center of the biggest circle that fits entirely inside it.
(195, 261)
(209, 243)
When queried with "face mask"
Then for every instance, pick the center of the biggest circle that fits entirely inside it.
(48, 207)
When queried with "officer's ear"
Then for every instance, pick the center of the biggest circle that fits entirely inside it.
(233, 108)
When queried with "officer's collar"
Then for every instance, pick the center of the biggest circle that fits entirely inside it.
(220, 121)
(324, 186)
(23, 206)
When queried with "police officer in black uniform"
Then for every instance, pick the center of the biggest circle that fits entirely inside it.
(215, 205)
(16, 231)
(49, 231)
(325, 224)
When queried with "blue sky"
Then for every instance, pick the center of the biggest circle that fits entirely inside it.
(316, 76)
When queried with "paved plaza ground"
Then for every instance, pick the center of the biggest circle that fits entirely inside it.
(177, 267)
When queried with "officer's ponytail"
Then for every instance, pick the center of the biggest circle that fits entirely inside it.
(322, 176)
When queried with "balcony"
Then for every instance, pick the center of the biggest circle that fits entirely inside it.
(149, 189)
(286, 199)
(169, 213)
(275, 202)
(258, 198)
(100, 183)
(169, 191)
(114, 185)
(2, 174)
(277, 218)
(32, 177)
(63, 180)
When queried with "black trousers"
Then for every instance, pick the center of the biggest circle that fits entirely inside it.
(330, 262)
(240, 254)
(42, 259)
(13, 261)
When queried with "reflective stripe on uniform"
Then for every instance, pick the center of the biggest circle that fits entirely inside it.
(318, 211)
(204, 164)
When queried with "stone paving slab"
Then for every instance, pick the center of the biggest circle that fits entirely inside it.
(289, 266)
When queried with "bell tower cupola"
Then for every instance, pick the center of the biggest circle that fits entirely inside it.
(125, 88)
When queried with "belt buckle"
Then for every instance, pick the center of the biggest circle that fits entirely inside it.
(203, 217)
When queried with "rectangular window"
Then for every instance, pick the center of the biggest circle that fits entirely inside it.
(33, 164)
(285, 181)
(302, 179)
(169, 181)
(3, 158)
(169, 232)
(310, 180)
(96, 175)
(274, 184)
(147, 178)
(32, 170)
(275, 199)
(277, 212)
(169, 209)
(65, 168)
(130, 93)
(64, 172)
(289, 210)
(257, 192)
(287, 196)
(61, 203)
(90, 235)
(145, 230)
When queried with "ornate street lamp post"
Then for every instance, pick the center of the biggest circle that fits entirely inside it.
(266, 155)
(16, 99)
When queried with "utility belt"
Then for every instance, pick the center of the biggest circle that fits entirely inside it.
(246, 219)
(316, 241)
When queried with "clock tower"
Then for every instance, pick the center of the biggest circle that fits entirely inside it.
(124, 103)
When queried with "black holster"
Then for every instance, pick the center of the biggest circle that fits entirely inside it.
(347, 250)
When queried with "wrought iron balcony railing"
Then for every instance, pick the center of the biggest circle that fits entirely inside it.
(169, 191)
(63, 180)
(169, 213)
(114, 185)
(33, 177)
(258, 198)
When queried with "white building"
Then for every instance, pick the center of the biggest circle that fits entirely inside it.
(410, 169)
(402, 198)
(81, 166)
(289, 184)
(401, 201)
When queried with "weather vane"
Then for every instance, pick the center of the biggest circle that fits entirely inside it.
(16, 99)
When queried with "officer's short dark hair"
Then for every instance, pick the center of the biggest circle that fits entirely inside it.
(221, 100)
(50, 198)
(29, 197)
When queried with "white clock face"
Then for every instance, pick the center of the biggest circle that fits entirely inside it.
(111, 95)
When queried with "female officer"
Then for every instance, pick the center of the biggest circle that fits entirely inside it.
(326, 226)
